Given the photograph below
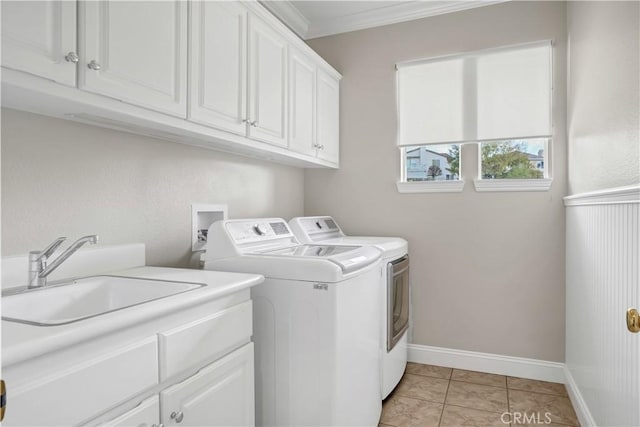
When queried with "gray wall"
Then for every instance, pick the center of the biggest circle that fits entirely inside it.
(487, 268)
(604, 95)
(69, 179)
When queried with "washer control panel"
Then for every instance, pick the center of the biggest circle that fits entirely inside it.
(251, 230)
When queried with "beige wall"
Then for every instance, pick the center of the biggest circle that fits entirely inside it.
(604, 94)
(487, 268)
(69, 179)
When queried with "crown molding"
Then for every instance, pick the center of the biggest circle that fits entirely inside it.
(286, 12)
(390, 14)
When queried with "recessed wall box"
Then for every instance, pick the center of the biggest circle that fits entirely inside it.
(202, 216)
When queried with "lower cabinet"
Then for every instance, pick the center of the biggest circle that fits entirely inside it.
(194, 368)
(221, 394)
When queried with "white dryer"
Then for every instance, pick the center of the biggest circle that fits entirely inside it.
(394, 288)
(315, 323)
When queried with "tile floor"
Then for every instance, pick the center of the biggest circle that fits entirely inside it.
(443, 397)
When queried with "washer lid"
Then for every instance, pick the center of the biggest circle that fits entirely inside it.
(348, 258)
(311, 250)
(391, 247)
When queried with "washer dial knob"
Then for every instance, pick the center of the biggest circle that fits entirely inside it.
(260, 229)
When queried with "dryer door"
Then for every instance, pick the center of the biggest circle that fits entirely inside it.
(397, 300)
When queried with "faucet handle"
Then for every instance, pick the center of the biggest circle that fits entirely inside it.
(52, 247)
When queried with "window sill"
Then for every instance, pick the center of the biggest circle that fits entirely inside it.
(430, 186)
(513, 184)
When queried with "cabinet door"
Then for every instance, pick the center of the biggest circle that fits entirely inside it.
(221, 394)
(135, 51)
(146, 414)
(267, 83)
(302, 103)
(328, 129)
(36, 37)
(218, 65)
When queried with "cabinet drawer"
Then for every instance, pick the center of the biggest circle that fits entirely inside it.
(72, 395)
(146, 414)
(189, 345)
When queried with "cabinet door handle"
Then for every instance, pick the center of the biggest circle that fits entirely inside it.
(72, 57)
(254, 123)
(178, 416)
(94, 65)
(633, 320)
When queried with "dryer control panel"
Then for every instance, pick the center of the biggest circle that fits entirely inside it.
(315, 229)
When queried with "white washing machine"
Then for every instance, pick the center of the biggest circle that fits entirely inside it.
(315, 331)
(394, 285)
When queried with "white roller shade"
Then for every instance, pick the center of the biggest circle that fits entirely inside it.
(430, 102)
(494, 94)
(514, 93)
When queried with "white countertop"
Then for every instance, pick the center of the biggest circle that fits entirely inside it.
(21, 341)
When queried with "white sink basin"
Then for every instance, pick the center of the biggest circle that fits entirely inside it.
(85, 298)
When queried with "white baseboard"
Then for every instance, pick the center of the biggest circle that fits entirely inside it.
(582, 410)
(486, 362)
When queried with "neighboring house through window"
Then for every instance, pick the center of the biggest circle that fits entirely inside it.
(424, 163)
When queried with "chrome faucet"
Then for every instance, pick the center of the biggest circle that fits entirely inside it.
(38, 268)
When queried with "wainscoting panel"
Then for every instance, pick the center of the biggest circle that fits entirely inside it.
(602, 356)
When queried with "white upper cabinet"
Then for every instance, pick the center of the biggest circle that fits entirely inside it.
(302, 103)
(218, 65)
(313, 109)
(328, 105)
(135, 51)
(267, 83)
(225, 74)
(39, 37)
(233, 51)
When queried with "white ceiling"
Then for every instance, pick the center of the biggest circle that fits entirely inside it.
(316, 18)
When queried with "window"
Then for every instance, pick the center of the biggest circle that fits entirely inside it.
(499, 99)
(513, 159)
(413, 163)
(429, 163)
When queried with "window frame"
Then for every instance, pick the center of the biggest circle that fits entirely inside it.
(480, 184)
